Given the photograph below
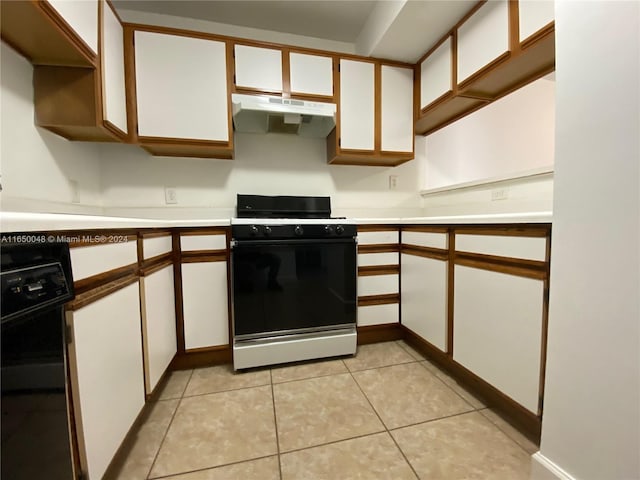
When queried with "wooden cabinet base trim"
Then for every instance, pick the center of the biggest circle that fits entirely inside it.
(96, 292)
(379, 333)
(379, 248)
(384, 299)
(539, 230)
(105, 278)
(372, 270)
(521, 418)
(191, 151)
(483, 71)
(538, 36)
(512, 266)
(202, 357)
(426, 252)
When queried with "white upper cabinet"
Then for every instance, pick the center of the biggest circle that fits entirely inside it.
(258, 68)
(357, 94)
(534, 15)
(311, 74)
(397, 109)
(181, 87)
(483, 38)
(436, 74)
(82, 16)
(114, 98)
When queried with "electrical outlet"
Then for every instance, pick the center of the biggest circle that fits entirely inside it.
(499, 194)
(170, 195)
(393, 182)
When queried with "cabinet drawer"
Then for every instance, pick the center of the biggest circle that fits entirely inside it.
(203, 242)
(92, 260)
(371, 259)
(373, 238)
(378, 314)
(378, 285)
(154, 246)
(425, 239)
(530, 248)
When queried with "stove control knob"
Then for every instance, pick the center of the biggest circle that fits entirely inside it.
(328, 229)
(298, 230)
(339, 229)
(253, 230)
(267, 231)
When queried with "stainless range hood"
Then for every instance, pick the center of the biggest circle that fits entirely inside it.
(267, 114)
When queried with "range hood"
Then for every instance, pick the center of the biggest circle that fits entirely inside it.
(268, 114)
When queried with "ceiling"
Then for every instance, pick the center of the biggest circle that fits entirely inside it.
(395, 29)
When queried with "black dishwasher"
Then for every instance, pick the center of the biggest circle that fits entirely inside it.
(36, 432)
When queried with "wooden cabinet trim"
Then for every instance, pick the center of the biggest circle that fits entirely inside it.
(155, 264)
(424, 229)
(103, 278)
(508, 230)
(200, 256)
(202, 231)
(371, 270)
(426, 252)
(379, 248)
(378, 228)
(512, 266)
(383, 299)
(98, 291)
(385, 332)
(534, 38)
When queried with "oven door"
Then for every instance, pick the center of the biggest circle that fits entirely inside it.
(293, 286)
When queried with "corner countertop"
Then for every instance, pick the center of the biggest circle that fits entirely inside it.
(31, 222)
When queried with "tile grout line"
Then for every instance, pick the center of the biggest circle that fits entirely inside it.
(275, 422)
(164, 437)
(385, 425)
(205, 469)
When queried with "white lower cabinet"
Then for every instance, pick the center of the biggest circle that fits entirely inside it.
(498, 330)
(378, 314)
(105, 359)
(424, 298)
(204, 303)
(158, 324)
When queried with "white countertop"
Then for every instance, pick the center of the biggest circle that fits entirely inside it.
(29, 222)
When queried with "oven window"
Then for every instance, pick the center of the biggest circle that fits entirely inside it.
(282, 287)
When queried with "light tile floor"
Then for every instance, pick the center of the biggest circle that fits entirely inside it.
(386, 413)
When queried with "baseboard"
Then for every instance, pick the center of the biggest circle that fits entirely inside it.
(202, 358)
(379, 333)
(525, 421)
(544, 469)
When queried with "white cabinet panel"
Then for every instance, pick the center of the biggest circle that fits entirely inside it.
(159, 323)
(258, 68)
(114, 101)
(498, 330)
(534, 14)
(154, 246)
(204, 297)
(504, 246)
(435, 74)
(378, 314)
(483, 38)
(397, 109)
(357, 105)
(425, 239)
(88, 261)
(181, 87)
(82, 16)
(424, 298)
(203, 242)
(106, 370)
(368, 259)
(378, 285)
(311, 74)
(372, 238)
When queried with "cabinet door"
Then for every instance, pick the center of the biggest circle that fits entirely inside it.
(82, 16)
(181, 87)
(378, 314)
(357, 123)
(258, 68)
(204, 301)
(534, 15)
(397, 109)
(436, 74)
(483, 38)
(311, 74)
(106, 372)
(498, 330)
(114, 99)
(424, 298)
(158, 323)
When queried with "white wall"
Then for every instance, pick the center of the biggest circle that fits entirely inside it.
(591, 422)
(36, 165)
(273, 164)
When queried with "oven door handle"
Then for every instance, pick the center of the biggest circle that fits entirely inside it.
(294, 241)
